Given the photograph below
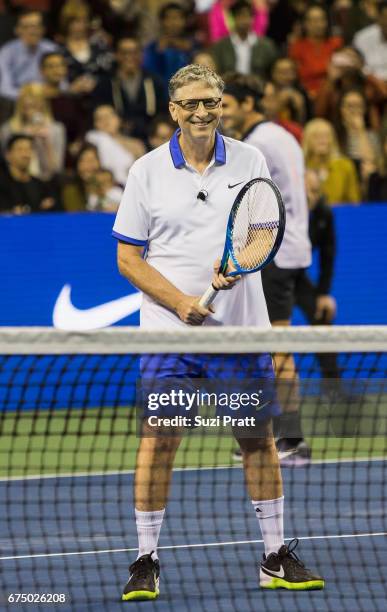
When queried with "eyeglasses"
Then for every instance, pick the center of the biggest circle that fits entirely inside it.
(193, 105)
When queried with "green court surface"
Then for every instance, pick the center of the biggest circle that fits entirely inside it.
(94, 440)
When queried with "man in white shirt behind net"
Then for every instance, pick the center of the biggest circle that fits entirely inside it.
(243, 115)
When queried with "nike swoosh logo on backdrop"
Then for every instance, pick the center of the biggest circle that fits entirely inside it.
(235, 185)
(66, 316)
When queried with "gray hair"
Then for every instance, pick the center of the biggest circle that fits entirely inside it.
(192, 73)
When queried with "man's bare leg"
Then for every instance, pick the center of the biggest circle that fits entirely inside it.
(154, 464)
(264, 484)
(279, 568)
(155, 457)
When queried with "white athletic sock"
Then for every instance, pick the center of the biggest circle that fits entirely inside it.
(148, 530)
(270, 514)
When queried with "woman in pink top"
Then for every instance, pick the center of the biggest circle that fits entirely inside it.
(220, 21)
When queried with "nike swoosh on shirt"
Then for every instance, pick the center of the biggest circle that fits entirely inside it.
(67, 316)
(280, 573)
(235, 185)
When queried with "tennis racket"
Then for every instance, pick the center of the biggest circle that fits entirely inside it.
(254, 232)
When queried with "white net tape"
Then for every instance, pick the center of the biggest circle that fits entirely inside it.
(123, 340)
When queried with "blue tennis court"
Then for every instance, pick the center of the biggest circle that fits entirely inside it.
(78, 536)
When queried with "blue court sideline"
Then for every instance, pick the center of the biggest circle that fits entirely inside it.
(85, 514)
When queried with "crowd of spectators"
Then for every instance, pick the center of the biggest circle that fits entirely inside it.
(83, 89)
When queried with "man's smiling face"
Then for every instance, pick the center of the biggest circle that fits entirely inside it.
(202, 122)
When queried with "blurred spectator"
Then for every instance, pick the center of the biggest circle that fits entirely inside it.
(204, 58)
(203, 6)
(161, 131)
(374, 175)
(6, 108)
(290, 107)
(243, 51)
(338, 15)
(314, 299)
(356, 141)
(116, 152)
(285, 20)
(284, 76)
(173, 49)
(313, 52)
(345, 72)
(274, 106)
(86, 59)
(7, 22)
(36, 5)
(337, 173)
(221, 19)
(33, 117)
(108, 194)
(322, 237)
(372, 43)
(54, 73)
(66, 106)
(21, 193)
(136, 94)
(359, 15)
(77, 190)
(20, 58)
(197, 25)
(120, 18)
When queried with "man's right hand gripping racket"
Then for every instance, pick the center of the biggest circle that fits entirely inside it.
(254, 233)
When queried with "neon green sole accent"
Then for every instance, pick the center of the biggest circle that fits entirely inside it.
(280, 583)
(140, 595)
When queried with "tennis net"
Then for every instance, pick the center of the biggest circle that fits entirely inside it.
(69, 438)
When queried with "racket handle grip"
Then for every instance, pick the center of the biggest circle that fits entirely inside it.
(208, 297)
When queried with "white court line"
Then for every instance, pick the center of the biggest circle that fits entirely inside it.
(182, 546)
(181, 469)
(111, 473)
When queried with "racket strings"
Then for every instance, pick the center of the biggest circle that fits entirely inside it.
(256, 225)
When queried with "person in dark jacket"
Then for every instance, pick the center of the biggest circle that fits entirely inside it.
(136, 94)
(375, 175)
(20, 192)
(243, 51)
(174, 48)
(322, 237)
(315, 299)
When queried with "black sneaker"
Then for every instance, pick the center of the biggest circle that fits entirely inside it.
(293, 453)
(284, 570)
(143, 580)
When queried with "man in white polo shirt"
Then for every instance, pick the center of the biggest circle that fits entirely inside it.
(176, 204)
(243, 114)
